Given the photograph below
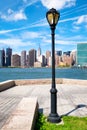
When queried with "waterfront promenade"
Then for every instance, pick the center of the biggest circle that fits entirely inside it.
(71, 99)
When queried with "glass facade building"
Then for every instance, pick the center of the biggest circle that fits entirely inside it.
(23, 58)
(32, 57)
(2, 58)
(8, 56)
(82, 54)
(59, 53)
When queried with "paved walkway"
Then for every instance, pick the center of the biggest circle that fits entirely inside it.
(71, 99)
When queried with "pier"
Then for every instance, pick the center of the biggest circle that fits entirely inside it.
(71, 99)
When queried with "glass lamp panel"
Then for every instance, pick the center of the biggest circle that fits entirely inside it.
(50, 18)
(56, 18)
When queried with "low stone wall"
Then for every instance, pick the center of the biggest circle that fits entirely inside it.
(48, 81)
(36, 81)
(11, 83)
(74, 81)
(6, 84)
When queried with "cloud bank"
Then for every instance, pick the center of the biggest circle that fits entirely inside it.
(58, 4)
(16, 11)
(81, 19)
(13, 15)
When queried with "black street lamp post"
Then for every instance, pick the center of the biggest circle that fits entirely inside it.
(52, 17)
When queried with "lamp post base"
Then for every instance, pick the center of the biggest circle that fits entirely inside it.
(54, 118)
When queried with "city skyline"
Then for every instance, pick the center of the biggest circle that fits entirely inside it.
(37, 50)
(34, 58)
(70, 58)
(23, 24)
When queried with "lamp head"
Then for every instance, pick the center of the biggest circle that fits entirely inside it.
(52, 17)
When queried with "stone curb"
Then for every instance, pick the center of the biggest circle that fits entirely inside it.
(24, 116)
(6, 85)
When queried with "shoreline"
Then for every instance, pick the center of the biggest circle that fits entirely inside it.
(18, 82)
(12, 83)
(48, 81)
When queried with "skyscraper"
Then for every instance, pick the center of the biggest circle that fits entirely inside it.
(57, 57)
(39, 51)
(8, 56)
(82, 54)
(42, 60)
(59, 53)
(67, 53)
(73, 57)
(23, 58)
(2, 58)
(32, 57)
(66, 59)
(3, 51)
(15, 60)
(48, 54)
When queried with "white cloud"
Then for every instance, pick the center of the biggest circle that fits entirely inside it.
(25, 1)
(14, 42)
(20, 16)
(65, 42)
(68, 40)
(29, 3)
(11, 42)
(58, 4)
(76, 28)
(30, 35)
(40, 24)
(14, 16)
(62, 42)
(81, 19)
(12, 30)
(35, 24)
(68, 19)
(10, 11)
(5, 31)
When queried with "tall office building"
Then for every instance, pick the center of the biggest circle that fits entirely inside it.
(50, 61)
(23, 58)
(2, 58)
(15, 60)
(66, 59)
(32, 57)
(67, 53)
(3, 53)
(42, 60)
(82, 54)
(39, 51)
(57, 60)
(73, 57)
(59, 53)
(48, 54)
(8, 56)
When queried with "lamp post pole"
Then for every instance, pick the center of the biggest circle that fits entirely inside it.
(53, 116)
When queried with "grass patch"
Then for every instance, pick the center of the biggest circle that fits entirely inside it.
(70, 123)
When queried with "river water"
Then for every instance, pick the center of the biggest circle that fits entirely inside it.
(41, 73)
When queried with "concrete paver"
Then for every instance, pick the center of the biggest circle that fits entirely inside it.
(71, 99)
(23, 116)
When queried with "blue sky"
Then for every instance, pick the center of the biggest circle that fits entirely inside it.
(23, 24)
